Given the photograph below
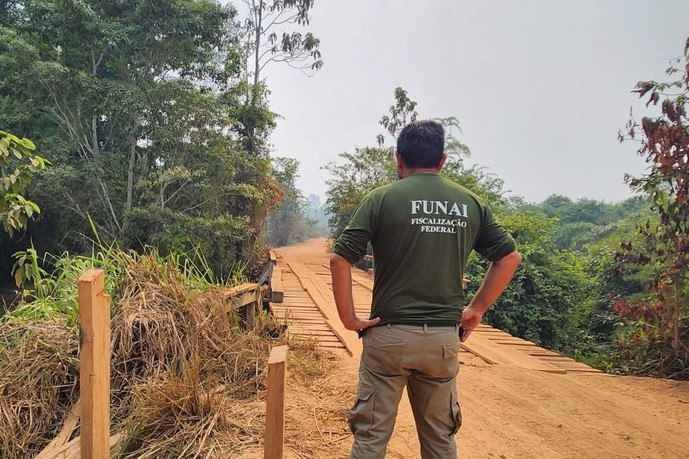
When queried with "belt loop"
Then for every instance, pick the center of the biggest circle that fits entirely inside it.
(425, 328)
(389, 326)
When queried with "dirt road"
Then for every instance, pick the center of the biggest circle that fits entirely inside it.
(508, 412)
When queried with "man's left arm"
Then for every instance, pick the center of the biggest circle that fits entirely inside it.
(341, 272)
(494, 283)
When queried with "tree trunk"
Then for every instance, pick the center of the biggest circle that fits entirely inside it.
(132, 162)
(257, 67)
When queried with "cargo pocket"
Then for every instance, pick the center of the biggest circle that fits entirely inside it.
(450, 362)
(361, 415)
(456, 413)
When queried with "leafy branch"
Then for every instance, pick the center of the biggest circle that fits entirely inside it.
(18, 164)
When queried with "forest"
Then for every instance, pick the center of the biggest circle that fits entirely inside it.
(142, 124)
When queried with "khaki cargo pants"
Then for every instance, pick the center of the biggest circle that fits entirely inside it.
(422, 358)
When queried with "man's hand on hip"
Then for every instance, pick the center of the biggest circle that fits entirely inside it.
(358, 324)
(471, 317)
(341, 272)
(494, 283)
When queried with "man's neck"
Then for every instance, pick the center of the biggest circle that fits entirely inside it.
(409, 172)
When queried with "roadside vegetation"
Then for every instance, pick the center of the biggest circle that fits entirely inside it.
(134, 139)
(187, 378)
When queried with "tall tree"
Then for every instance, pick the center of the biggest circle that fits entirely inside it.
(354, 175)
(268, 40)
(98, 67)
(137, 105)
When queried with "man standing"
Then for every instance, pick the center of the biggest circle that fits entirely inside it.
(422, 229)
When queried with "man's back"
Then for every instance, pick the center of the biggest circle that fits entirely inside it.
(422, 230)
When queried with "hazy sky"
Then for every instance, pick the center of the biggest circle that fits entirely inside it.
(540, 87)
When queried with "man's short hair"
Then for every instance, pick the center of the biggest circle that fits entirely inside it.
(421, 144)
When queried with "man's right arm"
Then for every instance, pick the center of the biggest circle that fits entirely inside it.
(341, 272)
(494, 283)
(349, 247)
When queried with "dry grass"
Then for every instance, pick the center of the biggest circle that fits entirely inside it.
(180, 363)
(177, 417)
(316, 421)
(39, 371)
(197, 415)
(186, 382)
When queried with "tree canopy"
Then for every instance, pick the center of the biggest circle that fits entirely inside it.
(139, 108)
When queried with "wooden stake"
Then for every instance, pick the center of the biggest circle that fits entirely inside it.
(94, 322)
(275, 404)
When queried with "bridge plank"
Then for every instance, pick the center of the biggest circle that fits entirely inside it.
(323, 298)
(505, 355)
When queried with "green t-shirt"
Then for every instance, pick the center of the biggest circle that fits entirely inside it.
(422, 230)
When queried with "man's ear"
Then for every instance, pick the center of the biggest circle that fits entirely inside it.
(442, 161)
(400, 161)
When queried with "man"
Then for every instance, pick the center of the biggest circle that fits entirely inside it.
(422, 229)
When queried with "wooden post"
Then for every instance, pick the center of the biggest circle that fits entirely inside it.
(275, 404)
(94, 373)
(277, 291)
(251, 311)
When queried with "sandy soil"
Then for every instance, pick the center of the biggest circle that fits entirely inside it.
(508, 412)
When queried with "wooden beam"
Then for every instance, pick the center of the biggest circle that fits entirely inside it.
(501, 354)
(241, 295)
(62, 438)
(94, 372)
(73, 449)
(363, 280)
(299, 270)
(275, 404)
(359, 277)
(277, 291)
(322, 304)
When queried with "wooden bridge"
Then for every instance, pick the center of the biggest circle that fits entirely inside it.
(303, 298)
